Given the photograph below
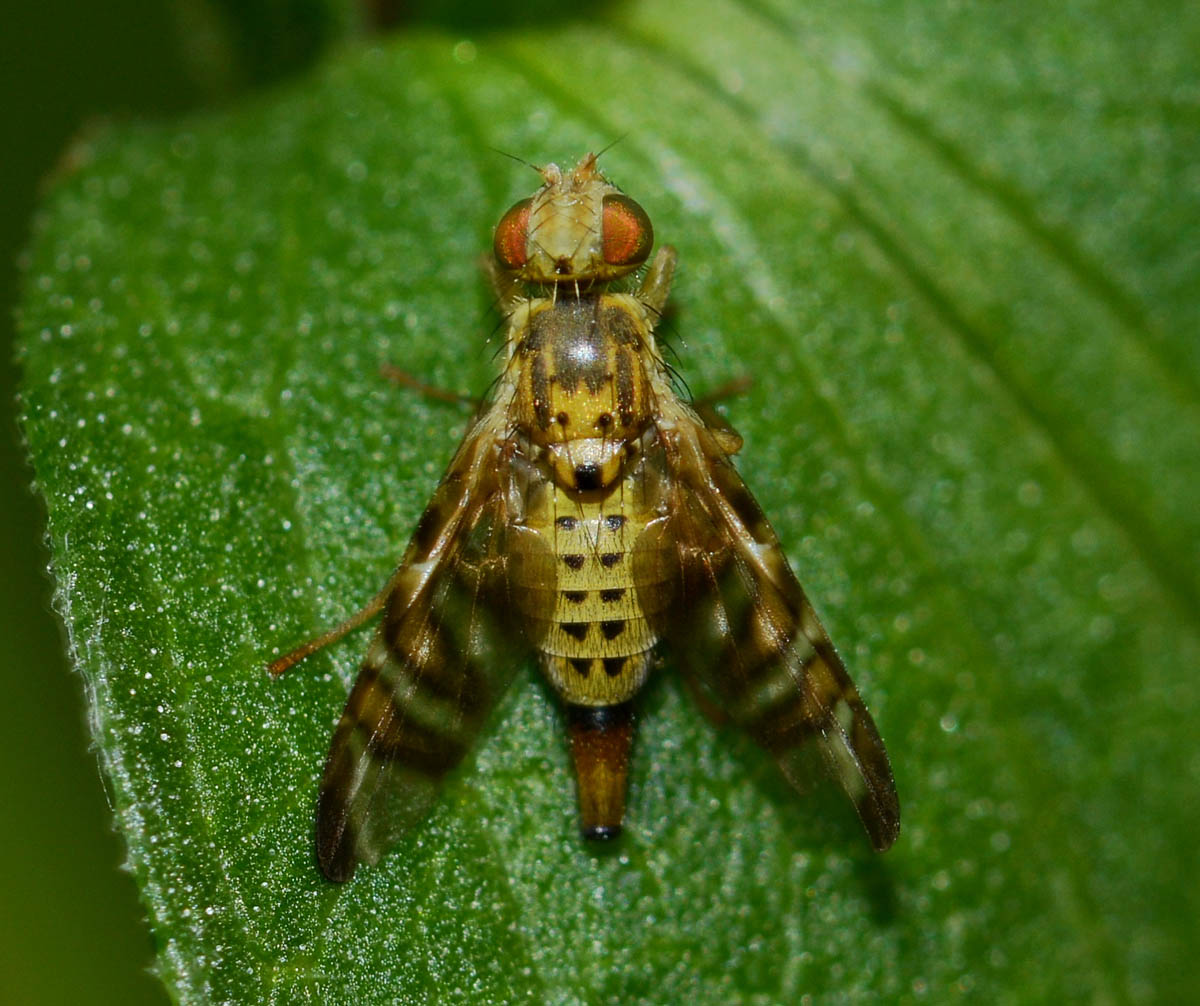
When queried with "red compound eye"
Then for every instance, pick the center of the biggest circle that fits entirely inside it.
(511, 232)
(627, 234)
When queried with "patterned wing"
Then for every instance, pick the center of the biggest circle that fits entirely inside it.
(747, 632)
(442, 656)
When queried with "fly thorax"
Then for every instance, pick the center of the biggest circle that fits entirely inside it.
(583, 393)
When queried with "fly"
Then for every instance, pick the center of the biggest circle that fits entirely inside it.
(590, 516)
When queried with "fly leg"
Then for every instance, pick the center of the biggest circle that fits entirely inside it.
(730, 389)
(652, 294)
(402, 377)
(656, 286)
(708, 706)
(374, 607)
(729, 440)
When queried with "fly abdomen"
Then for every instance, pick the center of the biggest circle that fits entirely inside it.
(593, 637)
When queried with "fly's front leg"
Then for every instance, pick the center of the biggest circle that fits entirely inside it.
(652, 294)
(398, 375)
(509, 290)
(656, 287)
(727, 437)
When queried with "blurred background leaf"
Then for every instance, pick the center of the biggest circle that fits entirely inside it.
(956, 250)
(69, 921)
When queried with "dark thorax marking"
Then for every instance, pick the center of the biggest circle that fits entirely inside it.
(583, 334)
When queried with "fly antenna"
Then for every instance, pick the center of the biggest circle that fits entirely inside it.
(613, 143)
(514, 157)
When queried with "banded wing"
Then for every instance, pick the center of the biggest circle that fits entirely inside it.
(441, 658)
(749, 634)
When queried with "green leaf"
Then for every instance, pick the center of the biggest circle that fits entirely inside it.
(956, 251)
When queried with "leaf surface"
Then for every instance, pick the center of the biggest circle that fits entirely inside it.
(956, 252)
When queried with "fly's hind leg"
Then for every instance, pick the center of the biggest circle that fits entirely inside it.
(277, 666)
(706, 702)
